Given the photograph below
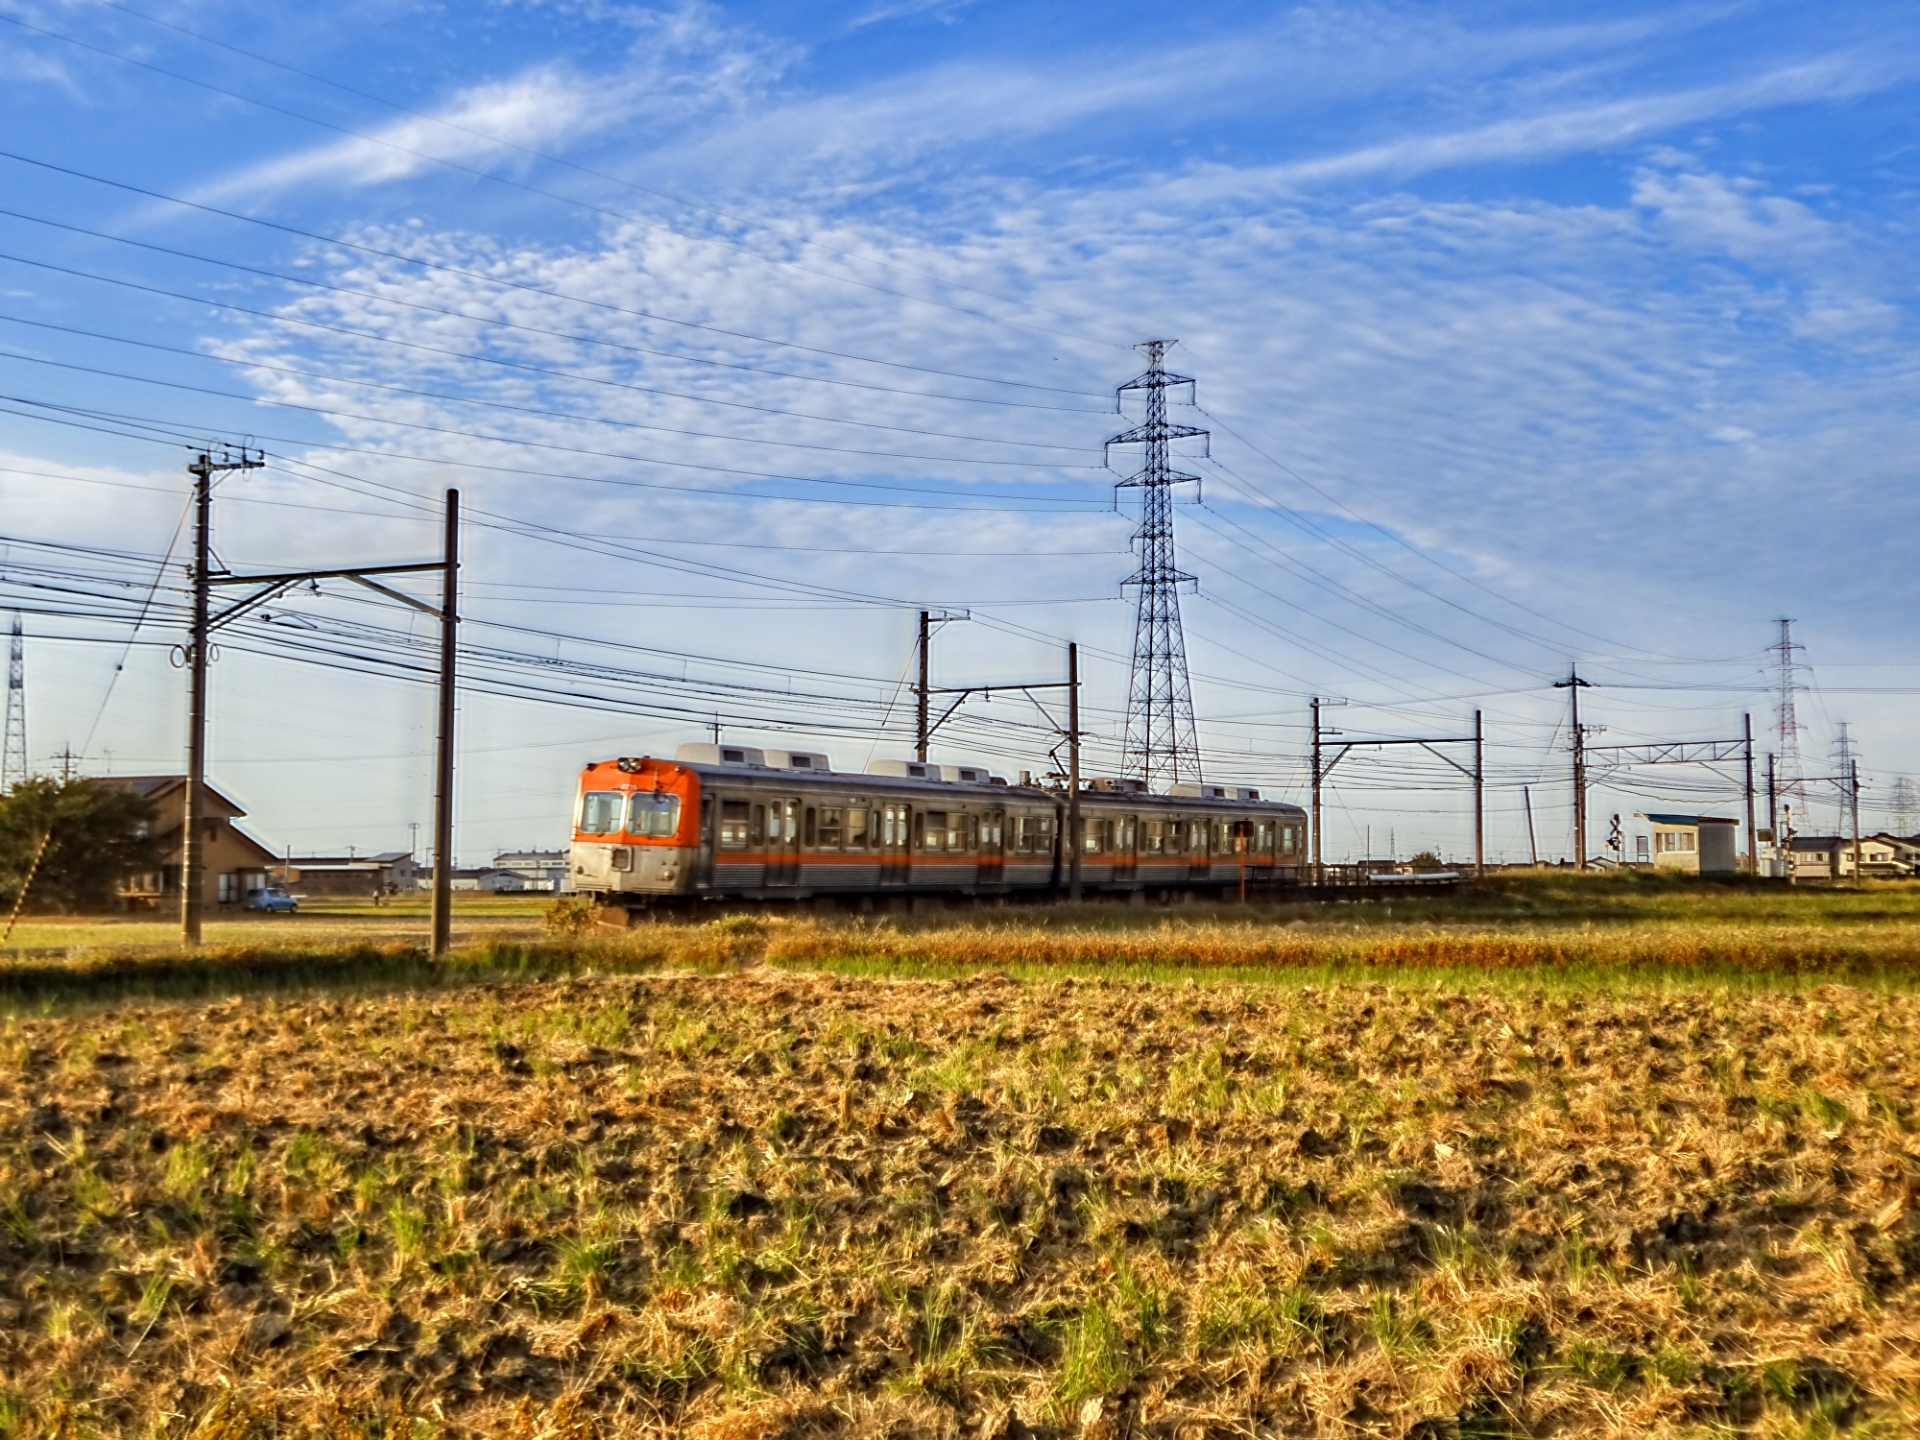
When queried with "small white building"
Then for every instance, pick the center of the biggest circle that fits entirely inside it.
(1695, 844)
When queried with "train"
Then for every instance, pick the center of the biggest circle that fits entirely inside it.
(724, 822)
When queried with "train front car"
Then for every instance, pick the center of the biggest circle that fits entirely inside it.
(636, 828)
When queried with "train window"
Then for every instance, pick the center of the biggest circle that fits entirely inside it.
(930, 830)
(960, 831)
(1123, 838)
(757, 828)
(733, 824)
(1289, 839)
(1033, 834)
(1263, 838)
(1153, 837)
(991, 832)
(831, 828)
(895, 820)
(1099, 837)
(655, 815)
(858, 837)
(1198, 836)
(600, 812)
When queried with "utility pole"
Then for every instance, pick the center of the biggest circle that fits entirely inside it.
(193, 840)
(1574, 684)
(1853, 795)
(1533, 850)
(920, 708)
(443, 759)
(1072, 837)
(1318, 877)
(267, 586)
(1479, 799)
(922, 731)
(1753, 837)
(13, 758)
(1773, 808)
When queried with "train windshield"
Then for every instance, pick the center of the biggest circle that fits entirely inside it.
(656, 815)
(600, 812)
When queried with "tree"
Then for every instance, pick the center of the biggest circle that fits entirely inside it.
(1426, 862)
(95, 836)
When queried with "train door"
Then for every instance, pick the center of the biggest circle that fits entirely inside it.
(896, 831)
(1126, 839)
(783, 842)
(993, 851)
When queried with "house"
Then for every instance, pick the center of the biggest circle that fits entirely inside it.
(233, 861)
(1695, 844)
(1902, 851)
(542, 869)
(496, 881)
(386, 872)
(1887, 856)
(1816, 857)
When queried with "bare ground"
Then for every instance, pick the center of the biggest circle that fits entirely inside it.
(766, 1203)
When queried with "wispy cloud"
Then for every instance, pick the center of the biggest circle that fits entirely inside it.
(944, 11)
(541, 108)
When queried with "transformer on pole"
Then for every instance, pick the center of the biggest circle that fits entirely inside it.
(1161, 747)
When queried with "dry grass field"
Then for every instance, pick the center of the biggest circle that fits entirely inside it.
(743, 1199)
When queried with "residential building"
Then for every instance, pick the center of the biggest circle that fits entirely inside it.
(1696, 844)
(1816, 857)
(233, 861)
(542, 869)
(386, 872)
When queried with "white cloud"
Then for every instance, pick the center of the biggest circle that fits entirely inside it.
(537, 109)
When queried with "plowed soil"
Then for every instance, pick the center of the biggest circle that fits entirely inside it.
(766, 1203)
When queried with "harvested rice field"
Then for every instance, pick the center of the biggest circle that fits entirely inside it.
(769, 1203)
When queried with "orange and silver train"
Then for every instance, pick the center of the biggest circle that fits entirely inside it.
(728, 822)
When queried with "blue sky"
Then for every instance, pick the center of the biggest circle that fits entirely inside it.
(1528, 336)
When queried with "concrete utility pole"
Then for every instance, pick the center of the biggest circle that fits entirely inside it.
(13, 759)
(1773, 808)
(922, 731)
(193, 840)
(1479, 798)
(443, 759)
(920, 696)
(1533, 849)
(1753, 836)
(1574, 684)
(1072, 837)
(270, 585)
(1853, 799)
(1314, 864)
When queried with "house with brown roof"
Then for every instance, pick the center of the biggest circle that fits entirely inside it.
(234, 862)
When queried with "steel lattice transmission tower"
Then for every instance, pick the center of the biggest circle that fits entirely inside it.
(1786, 721)
(13, 758)
(1161, 747)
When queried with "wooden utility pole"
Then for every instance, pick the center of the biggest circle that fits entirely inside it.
(193, 838)
(443, 758)
(1072, 837)
(1574, 684)
(1479, 798)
